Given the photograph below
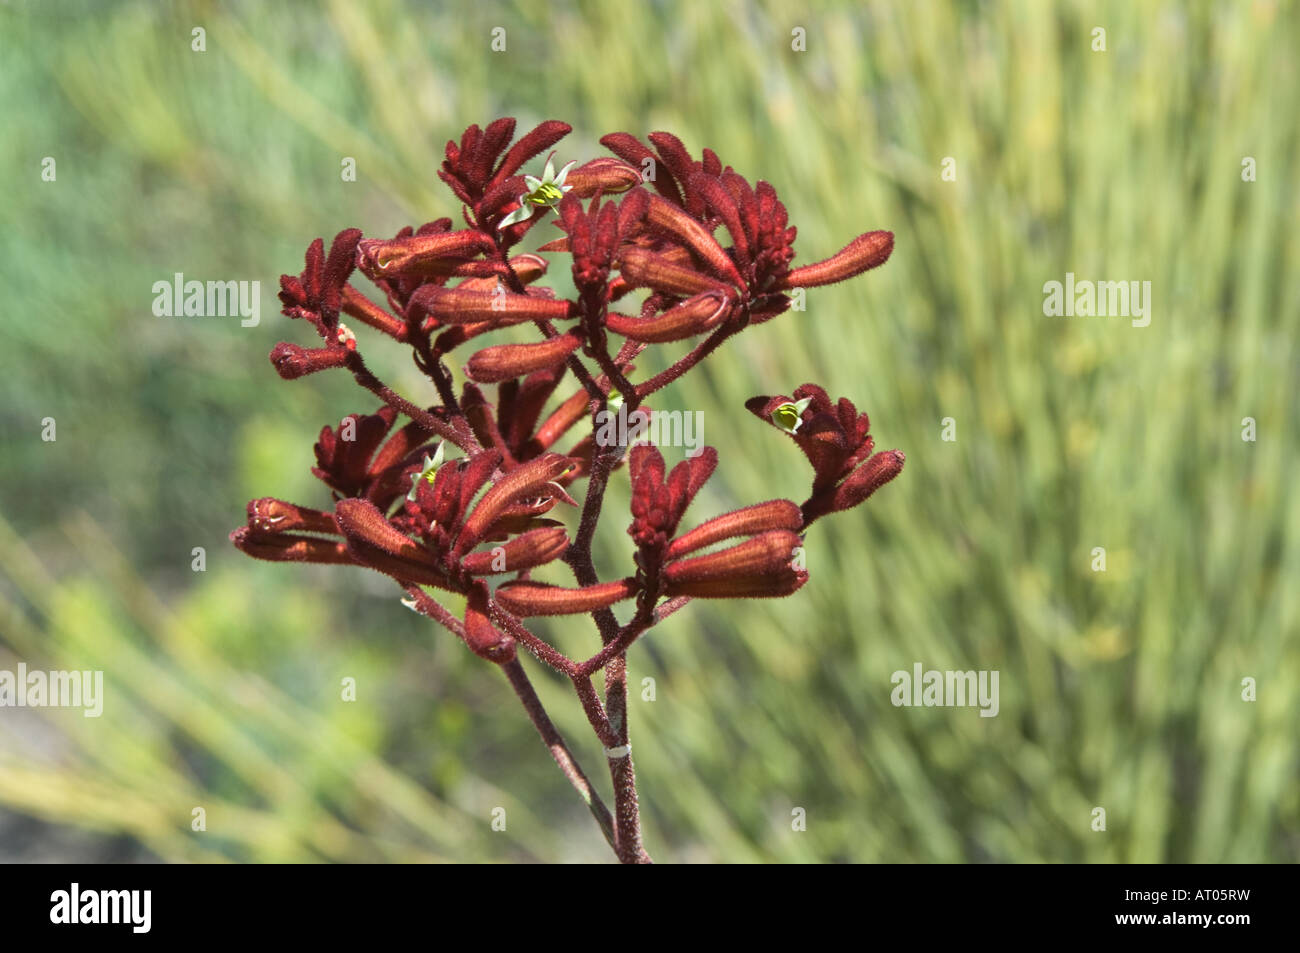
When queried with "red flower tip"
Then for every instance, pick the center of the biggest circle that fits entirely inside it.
(865, 252)
(287, 547)
(503, 362)
(866, 479)
(269, 515)
(605, 175)
(534, 548)
(482, 637)
(761, 517)
(373, 541)
(293, 361)
(535, 598)
(421, 255)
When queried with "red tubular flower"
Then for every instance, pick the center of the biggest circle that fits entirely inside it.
(426, 255)
(533, 548)
(502, 362)
(289, 547)
(761, 517)
(317, 293)
(460, 306)
(534, 598)
(527, 481)
(865, 252)
(604, 175)
(760, 566)
(700, 251)
(481, 635)
(695, 316)
(373, 541)
(836, 440)
(293, 361)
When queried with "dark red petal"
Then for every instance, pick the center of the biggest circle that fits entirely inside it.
(535, 598)
(534, 548)
(482, 637)
(863, 253)
(503, 362)
(761, 517)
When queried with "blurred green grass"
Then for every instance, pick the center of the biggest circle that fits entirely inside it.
(1119, 689)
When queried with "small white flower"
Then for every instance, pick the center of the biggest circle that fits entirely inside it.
(428, 470)
(545, 192)
(789, 416)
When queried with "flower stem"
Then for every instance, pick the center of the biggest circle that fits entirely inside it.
(559, 750)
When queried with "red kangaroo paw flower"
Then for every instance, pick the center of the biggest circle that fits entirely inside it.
(454, 306)
(534, 598)
(482, 637)
(701, 313)
(534, 548)
(503, 362)
(375, 542)
(269, 515)
(765, 554)
(862, 254)
(293, 361)
(761, 517)
(289, 548)
(527, 479)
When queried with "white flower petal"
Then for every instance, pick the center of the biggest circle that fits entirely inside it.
(521, 214)
(559, 179)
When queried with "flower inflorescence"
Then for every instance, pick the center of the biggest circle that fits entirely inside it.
(402, 508)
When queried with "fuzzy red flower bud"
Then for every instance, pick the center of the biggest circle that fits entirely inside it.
(417, 255)
(646, 269)
(866, 479)
(287, 547)
(605, 175)
(761, 517)
(375, 542)
(701, 313)
(456, 306)
(535, 598)
(668, 218)
(773, 585)
(293, 361)
(765, 554)
(865, 252)
(534, 548)
(503, 362)
(482, 637)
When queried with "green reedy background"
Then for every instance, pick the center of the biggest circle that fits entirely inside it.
(1119, 689)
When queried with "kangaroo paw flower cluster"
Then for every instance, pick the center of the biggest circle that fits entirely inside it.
(457, 495)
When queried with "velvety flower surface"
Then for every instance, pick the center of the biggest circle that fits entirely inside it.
(487, 491)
